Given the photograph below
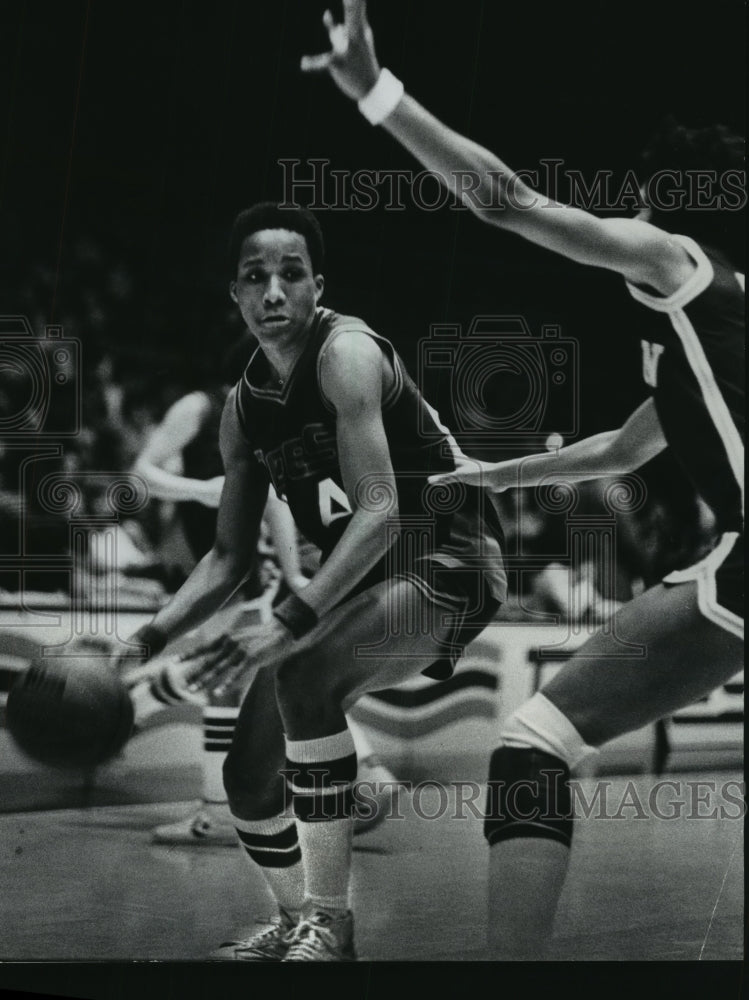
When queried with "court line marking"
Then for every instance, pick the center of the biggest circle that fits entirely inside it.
(720, 893)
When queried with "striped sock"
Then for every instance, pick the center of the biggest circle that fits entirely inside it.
(273, 846)
(320, 776)
(219, 723)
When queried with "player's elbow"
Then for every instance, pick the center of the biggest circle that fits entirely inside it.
(229, 564)
(380, 527)
(620, 457)
(502, 199)
(144, 469)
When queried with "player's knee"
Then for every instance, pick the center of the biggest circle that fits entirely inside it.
(303, 680)
(528, 795)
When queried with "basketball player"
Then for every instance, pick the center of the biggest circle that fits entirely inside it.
(326, 414)
(181, 463)
(691, 625)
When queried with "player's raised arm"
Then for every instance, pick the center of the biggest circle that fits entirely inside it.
(642, 253)
(608, 454)
(351, 372)
(224, 567)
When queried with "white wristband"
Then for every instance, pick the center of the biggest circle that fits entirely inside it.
(382, 99)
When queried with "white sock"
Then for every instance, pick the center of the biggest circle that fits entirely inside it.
(272, 846)
(219, 723)
(322, 773)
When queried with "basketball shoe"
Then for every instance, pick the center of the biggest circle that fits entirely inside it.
(322, 937)
(271, 944)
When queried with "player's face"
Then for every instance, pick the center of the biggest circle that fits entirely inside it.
(276, 289)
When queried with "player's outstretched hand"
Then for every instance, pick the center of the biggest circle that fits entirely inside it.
(351, 60)
(226, 662)
(472, 472)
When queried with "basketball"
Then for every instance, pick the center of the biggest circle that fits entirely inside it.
(69, 712)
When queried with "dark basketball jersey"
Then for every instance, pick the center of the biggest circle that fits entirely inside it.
(693, 361)
(291, 430)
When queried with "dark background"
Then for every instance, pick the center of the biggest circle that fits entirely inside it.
(134, 132)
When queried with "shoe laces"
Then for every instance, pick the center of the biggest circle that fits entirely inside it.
(278, 930)
(309, 936)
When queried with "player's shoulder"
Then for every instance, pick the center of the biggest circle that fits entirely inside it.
(348, 356)
(333, 324)
(347, 342)
(231, 434)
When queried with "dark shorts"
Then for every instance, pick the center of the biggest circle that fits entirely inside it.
(456, 561)
(720, 583)
(461, 598)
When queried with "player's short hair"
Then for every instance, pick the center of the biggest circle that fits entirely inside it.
(691, 150)
(269, 215)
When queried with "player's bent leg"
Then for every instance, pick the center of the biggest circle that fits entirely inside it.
(528, 827)
(357, 651)
(256, 790)
(254, 785)
(597, 696)
(685, 656)
(314, 688)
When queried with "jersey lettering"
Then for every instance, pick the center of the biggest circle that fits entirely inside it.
(333, 502)
(651, 354)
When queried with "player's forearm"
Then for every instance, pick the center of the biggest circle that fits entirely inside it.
(283, 535)
(363, 544)
(166, 486)
(479, 178)
(593, 458)
(209, 586)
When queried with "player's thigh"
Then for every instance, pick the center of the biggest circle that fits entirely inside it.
(380, 638)
(659, 654)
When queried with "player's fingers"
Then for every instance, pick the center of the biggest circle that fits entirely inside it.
(314, 64)
(198, 670)
(207, 679)
(230, 678)
(339, 39)
(203, 648)
(198, 666)
(328, 20)
(442, 477)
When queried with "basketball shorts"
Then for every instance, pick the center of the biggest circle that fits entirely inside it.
(463, 577)
(720, 583)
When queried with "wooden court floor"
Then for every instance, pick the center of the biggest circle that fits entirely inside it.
(87, 885)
